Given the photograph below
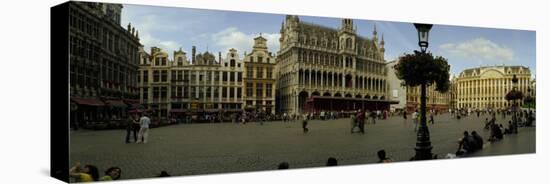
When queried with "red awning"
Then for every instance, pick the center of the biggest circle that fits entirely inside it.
(211, 110)
(131, 101)
(233, 110)
(87, 101)
(139, 110)
(178, 110)
(115, 103)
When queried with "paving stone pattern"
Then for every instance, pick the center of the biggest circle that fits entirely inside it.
(192, 149)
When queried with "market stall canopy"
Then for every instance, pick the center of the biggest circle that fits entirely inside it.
(87, 101)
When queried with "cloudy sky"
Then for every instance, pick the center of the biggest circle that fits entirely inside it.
(217, 31)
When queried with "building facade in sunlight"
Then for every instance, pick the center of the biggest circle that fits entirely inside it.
(179, 86)
(260, 78)
(435, 100)
(329, 69)
(486, 87)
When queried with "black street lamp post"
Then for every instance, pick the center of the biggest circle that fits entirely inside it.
(423, 144)
(514, 105)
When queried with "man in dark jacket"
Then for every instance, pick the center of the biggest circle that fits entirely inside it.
(478, 141)
(131, 126)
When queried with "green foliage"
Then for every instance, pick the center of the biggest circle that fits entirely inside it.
(514, 95)
(422, 68)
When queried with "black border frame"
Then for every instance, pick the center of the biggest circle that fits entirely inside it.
(59, 92)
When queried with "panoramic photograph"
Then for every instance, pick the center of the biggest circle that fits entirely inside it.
(169, 91)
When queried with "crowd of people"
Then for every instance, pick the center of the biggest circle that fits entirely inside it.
(473, 142)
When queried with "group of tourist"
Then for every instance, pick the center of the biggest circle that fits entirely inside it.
(90, 173)
(469, 143)
(138, 125)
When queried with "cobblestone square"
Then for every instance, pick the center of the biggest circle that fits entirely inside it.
(192, 149)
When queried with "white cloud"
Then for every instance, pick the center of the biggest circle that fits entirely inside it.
(480, 49)
(148, 24)
(233, 38)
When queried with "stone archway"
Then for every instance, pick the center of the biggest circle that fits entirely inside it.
(302, 97)
(348, 81)
(315, 93)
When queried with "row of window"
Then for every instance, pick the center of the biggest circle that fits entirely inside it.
(259, 89)
(259, 72)
(315, 58)
(259, 59)
(185, 75)
(187, 92)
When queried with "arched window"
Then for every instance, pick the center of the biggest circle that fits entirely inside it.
(348, 43)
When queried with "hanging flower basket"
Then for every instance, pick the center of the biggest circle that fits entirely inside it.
(514, 95)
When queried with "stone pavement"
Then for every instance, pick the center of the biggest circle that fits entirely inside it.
(191, 149)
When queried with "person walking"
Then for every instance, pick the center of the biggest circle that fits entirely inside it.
(304, 122)
(361, 121)
(432, 118)
(415, 119)
(131, 126)
(373, 116)
(353, 123)
(144, 123)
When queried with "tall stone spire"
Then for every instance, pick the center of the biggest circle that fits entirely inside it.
(375, 33)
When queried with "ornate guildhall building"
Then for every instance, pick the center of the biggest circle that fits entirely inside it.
(179, 86)
(324, 69)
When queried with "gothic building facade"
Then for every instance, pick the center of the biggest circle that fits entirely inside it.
(322, 68)
(103, 63)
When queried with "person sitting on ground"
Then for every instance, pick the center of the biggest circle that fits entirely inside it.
(332, 161)
(113, 173)
(478, 141)
(382, 157)
(88, 173)
(509, 129)
(466, 144)
(487, 124)
(283, 165)
(163, 174)
(496, 133)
